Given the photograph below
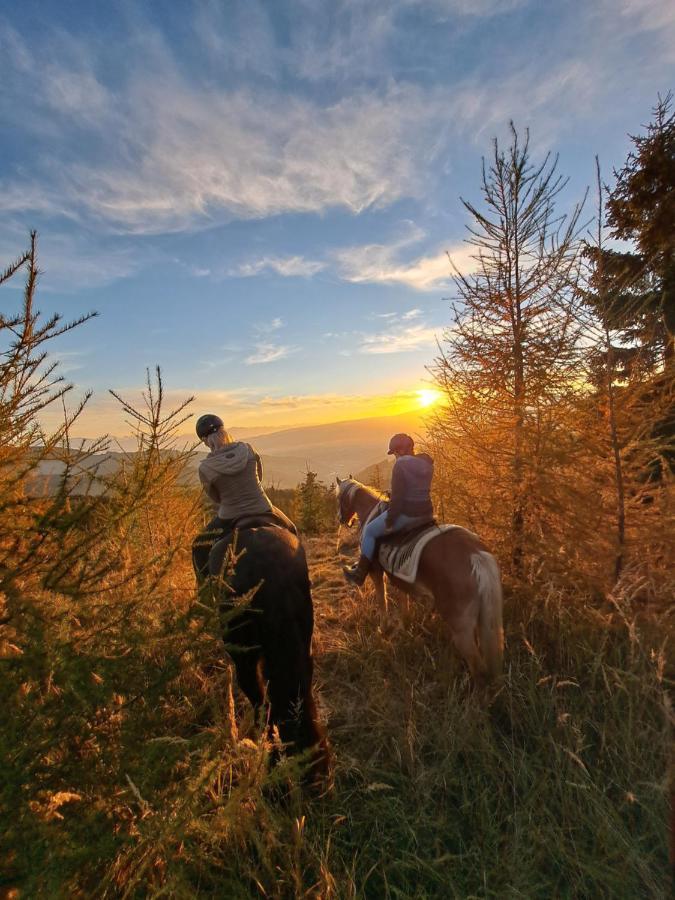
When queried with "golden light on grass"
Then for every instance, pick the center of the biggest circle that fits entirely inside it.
(427, 397)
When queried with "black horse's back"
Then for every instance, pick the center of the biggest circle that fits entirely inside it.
(271, 639)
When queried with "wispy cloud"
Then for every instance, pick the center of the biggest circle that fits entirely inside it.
(400, 332)
(72, 261)
(383, 264)
(130, 161)
(286, 266)
(268, 327)
(400, 339)
(268, 352)
(138, 164)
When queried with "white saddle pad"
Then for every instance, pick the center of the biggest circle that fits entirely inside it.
(402, 560)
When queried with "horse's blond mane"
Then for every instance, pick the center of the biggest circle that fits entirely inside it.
(379, 495)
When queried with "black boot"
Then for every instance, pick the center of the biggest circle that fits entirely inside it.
(357, 573)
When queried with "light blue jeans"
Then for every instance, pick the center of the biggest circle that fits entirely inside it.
(376, 529)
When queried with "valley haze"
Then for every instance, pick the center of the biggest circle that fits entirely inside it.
(351, 447)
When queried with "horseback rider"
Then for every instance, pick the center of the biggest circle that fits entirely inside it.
(409, 507)
(231, 476)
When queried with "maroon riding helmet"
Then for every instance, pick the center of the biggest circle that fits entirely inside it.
(402, 444)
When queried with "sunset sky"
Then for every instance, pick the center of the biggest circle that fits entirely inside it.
(259, 196)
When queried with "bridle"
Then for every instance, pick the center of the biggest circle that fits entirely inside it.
(349, 493)
(343, 497)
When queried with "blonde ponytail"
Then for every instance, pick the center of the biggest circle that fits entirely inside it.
(218, 439)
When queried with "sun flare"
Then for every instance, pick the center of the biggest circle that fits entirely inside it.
(427, 397)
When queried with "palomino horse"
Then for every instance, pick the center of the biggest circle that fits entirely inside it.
(456, 570)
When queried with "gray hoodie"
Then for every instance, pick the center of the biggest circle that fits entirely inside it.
(231, 478)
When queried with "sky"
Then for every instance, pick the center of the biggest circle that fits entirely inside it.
(260, 197)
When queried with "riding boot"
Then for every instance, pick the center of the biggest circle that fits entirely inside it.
(357, 573)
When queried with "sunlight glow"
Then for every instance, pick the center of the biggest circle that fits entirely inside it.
(427, 397)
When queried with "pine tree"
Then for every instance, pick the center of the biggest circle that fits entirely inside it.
(310, 506)
(640, 298)
(637, 303)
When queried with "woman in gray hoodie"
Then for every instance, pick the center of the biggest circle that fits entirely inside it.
(231, 476)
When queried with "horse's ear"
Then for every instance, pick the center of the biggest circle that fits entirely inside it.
(337, 480)
(350, 476)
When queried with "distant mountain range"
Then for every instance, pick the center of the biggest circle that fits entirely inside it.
(339, 448)
(357, 447)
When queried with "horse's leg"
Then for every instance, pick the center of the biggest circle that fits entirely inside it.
(289, 667)
(464, 639)
(456, 600)
(247, 664)
(243, 640)
(377, 577)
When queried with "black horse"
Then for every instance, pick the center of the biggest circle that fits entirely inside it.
(271, 637)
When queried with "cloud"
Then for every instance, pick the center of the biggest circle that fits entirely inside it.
(652, 15)
(268, 327)
(401, 339)
(657, 16)
(472, 8)
(382, 264)
(163, 152)
(71, 261)
(287, 267)
(162, 146)
(268, 352)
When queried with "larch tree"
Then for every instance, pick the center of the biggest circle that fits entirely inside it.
(508, 363)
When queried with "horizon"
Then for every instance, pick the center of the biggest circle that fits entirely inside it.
(261, 199)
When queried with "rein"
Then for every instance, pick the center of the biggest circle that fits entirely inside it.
(346, 498)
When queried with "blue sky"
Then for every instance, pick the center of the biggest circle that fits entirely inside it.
(258, 196)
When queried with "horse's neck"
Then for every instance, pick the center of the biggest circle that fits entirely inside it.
(363, 504)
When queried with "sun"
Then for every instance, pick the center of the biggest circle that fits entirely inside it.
(427, 397)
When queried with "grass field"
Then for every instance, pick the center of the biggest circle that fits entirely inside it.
(556, 787)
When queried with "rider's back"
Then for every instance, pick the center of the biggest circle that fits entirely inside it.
(411, 486)
(230, 477)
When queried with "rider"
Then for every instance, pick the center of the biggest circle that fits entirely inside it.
(231, 476)
(410, 503)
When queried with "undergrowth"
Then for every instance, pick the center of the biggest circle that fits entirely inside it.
(129, 776)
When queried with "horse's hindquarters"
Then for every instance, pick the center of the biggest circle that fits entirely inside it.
(465, 583)
(274, 631)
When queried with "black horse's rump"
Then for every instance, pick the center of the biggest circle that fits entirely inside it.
(271, 637)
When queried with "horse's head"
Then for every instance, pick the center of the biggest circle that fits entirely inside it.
(345, 491)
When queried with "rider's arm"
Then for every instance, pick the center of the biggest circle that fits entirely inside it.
(258, 466)
(210, 491)
(397, 494)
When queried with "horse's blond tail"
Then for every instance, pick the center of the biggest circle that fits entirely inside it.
(490, 627)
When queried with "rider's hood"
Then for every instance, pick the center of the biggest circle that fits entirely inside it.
(227, 460)
(416, 462)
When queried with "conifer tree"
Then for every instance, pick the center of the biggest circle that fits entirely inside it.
(637, 303)
(508, 362)
(640, 299)
(310, 504)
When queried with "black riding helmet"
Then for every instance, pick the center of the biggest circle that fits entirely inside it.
(207, 425)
